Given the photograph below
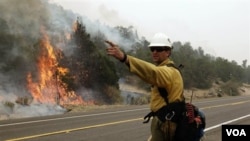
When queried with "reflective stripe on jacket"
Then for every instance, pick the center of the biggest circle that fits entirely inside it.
(159, 76)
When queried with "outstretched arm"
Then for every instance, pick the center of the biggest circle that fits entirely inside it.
(115, 51)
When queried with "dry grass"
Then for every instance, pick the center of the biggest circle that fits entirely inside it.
(194, 93)
(84, 108)
(132, 88)
(245, 89)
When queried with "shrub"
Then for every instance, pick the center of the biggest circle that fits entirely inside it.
(113, 94)
(9, 104)
(231, 88)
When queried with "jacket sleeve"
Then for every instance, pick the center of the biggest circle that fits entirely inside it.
(160, 76)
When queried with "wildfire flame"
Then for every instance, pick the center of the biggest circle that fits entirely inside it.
(48, 88)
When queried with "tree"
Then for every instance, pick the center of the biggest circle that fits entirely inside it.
(90, 68)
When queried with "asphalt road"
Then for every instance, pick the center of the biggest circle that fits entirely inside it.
(120, 123)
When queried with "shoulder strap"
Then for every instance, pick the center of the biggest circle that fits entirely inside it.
(178, 68)
(163, 92)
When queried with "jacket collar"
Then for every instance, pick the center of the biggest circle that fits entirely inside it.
(167, 62)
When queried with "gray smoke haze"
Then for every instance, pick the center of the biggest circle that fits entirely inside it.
(21, 22)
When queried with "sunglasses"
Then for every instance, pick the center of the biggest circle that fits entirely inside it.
(158, 49)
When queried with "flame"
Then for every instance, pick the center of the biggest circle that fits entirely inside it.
(49, 88)
(62, 71)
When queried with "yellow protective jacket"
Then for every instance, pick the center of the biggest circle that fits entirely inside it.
(159, 76)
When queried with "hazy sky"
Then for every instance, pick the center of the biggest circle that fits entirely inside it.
(220, 27)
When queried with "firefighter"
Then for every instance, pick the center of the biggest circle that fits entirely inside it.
(159, 75)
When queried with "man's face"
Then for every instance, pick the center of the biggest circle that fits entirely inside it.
(159, 54)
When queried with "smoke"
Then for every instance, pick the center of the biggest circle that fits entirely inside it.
(111, 16)
(9, 109)
(95, 28)
(20, 32)
(24, 17)
(108, 20)
(20, 111)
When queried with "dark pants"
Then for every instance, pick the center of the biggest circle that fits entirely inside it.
(162, 131)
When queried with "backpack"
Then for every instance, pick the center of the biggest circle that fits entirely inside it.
(190, 119)
(191, 125)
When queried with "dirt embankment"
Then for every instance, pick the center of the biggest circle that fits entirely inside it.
(245, 89)
(214, 91)
(195, 93)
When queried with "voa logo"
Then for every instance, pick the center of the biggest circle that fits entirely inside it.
(236, 132)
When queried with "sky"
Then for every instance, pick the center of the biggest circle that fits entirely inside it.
(220, 27)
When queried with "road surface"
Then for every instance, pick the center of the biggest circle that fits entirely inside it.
(120, 123)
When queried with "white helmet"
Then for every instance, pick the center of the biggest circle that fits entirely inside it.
(160, 39)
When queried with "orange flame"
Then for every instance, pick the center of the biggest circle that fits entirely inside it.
(49, 88)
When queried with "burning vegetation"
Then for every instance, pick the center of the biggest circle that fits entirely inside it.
(48, 58)
(59, 79)
(48, 87)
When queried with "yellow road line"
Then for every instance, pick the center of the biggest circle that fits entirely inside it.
(106, 124)
(73, 129)
(236, 103)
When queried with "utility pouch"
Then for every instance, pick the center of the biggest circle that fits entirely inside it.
(172, 112)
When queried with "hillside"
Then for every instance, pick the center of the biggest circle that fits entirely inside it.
(197, 93)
